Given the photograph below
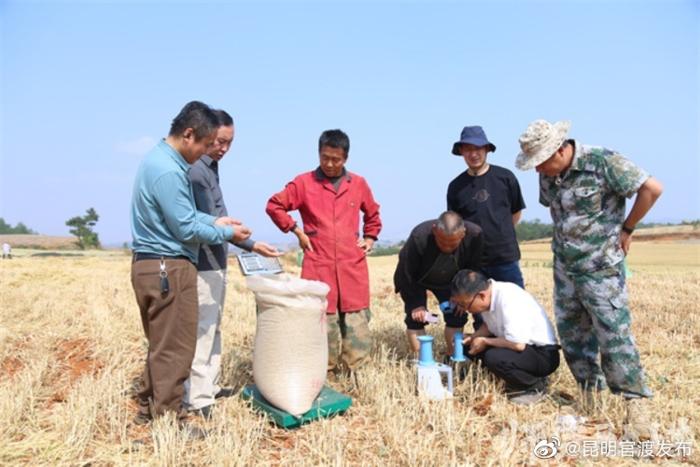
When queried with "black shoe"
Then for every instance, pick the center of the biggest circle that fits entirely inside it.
(142, 419)
(205, 412)
(225, 392)
(193, 432)
(526, 397)
(542, 385)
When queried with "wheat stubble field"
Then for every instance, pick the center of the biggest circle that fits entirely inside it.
(71, 347)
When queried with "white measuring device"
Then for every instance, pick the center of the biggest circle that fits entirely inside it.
(253, 264)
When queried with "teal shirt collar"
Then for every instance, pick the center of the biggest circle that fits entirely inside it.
(176, 156)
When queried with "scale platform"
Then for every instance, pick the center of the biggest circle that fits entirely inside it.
(253, 264)
(327, 404)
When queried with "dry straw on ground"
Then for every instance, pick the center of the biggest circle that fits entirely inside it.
(71, 347)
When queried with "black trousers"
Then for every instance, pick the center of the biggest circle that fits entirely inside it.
(524, 370)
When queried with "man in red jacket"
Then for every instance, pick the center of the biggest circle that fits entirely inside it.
(329, 200)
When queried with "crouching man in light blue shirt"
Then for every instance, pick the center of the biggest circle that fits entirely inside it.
(167, 231)
(516, 342)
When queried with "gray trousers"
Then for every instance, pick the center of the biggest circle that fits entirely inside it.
(203, 383)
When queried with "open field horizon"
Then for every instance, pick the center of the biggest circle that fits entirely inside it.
(39, 243)
(71, 347)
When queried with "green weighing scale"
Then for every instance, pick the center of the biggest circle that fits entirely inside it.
(328, 403)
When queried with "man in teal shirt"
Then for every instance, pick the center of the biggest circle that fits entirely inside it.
(167, 231)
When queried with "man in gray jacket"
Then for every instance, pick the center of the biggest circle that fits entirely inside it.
(202, 387)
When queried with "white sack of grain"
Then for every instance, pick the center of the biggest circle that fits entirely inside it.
(290, 356)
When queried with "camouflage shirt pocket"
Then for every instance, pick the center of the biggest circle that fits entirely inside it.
(588, 199)
(618, 301)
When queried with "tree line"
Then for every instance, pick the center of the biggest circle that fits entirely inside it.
(524, 230)
(80, 226)
(533, 230)
(19, 229)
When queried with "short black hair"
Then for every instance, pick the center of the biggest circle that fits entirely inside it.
(224, 118)
(334, 139)
(198, 116)
(468, 282)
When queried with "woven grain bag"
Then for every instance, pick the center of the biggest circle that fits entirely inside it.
(290, 356)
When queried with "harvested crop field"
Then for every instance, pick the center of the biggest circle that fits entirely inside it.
(71, 348)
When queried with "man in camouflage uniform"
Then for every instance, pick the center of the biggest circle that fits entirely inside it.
(585, 189)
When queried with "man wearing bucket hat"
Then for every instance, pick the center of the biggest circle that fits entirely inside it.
(585, 189)
(489, 196)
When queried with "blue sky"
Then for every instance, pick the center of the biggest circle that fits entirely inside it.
(88, 87)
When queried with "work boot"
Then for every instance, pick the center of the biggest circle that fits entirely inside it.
(638, 427)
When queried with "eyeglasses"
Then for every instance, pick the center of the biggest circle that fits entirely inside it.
(469, 306)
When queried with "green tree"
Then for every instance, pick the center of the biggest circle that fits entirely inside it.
(386, 250)
(82, 228)
(533, 230)
(20, 228)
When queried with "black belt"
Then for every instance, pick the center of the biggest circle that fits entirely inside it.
(142, 256)
(547, 347)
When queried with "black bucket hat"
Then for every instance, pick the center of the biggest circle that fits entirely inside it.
(473, 135)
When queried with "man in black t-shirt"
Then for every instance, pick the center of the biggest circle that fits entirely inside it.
(489, 196)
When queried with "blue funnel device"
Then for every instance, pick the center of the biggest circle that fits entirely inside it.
(425, 357)
(458, 353)
(430, 373)
(447, 307)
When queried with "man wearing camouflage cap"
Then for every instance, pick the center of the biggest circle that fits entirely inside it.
(585, 189)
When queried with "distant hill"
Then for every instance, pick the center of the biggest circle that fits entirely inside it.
(670, 233)
(42, 242)
(666, 233)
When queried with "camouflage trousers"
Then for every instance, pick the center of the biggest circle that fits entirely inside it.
(593, 318)
(349, 339)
